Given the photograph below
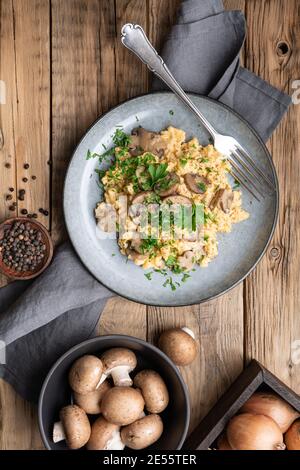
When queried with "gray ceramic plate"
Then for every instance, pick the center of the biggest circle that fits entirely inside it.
(239, 251)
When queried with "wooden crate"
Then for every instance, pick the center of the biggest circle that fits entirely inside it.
(255, 377)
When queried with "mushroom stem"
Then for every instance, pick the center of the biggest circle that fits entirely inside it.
(115, 443)
(58, 432)
(121, 376)
(188, 331)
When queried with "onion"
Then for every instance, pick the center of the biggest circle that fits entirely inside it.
(271, 405)
(223, 443)
(292, 437)
(254, 432)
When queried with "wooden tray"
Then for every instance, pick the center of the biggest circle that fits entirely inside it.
(254, 377)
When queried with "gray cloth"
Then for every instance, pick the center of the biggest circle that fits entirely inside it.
(202, 51)
(41, 320)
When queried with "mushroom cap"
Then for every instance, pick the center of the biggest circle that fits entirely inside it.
(116, 357)
(178, 345)
(122, 405)
(140, 197)
(154, 390)
(196, 183)
(223, 199)
(76, 426)
(168, 185)
(85, 374)
(180, 200)
(143, 432)
(91, 402)
(102, 432)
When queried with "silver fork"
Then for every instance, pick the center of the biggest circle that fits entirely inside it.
(244, 169)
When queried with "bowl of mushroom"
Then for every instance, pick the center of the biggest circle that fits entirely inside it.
(113, 392)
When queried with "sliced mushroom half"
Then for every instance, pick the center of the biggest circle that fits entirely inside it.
(196, 183)
(146, 141)
(181, 200)
(223, 199)
(168, 185)
(187, 260)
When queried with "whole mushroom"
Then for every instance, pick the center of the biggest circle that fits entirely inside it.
(118, 362)
(179, 344)
(91, 402)
(74, 427)
(154, 390)
(105, 436)
(85, 374)
(122, 405)
(143, 432)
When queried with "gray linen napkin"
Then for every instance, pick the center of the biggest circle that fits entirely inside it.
(202, 51)
(41, 320)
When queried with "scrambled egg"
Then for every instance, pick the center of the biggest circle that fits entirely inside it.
(156, 169)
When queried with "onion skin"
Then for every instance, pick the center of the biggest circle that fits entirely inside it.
(223, 443)
(254, 432)
(292, 437)
(271, 405)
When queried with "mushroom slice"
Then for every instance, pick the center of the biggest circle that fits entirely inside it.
(168, 185)
(122, 405)
(74, 427)
(140, 198)
(105, 436)
(85, 374)
(181, 200)
(106, 217)
(143, 433)
(91, 402)
(223, 199)
(196, 183)
(146, 141)
(118, 362)
(179, 345)
(187, 260)
(154, 390)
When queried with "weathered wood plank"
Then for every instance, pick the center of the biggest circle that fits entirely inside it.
(75, 71)
(272, 293)
(25, 60)
(7, 111)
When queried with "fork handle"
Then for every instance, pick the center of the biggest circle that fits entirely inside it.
(134, 38)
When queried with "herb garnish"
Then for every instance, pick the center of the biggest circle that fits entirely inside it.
(202, 186)
(237, 185)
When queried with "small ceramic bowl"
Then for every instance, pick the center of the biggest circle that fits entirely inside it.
(56, 392)
(46, 239)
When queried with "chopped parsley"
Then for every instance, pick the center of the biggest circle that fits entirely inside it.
(237, 185)
(183, 162)
(185, 277)
(202, 186)
(148, 276)
(171, 112)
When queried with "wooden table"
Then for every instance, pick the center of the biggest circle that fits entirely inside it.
(63, 66)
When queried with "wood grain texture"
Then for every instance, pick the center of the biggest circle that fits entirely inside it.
(75, 71)
(272, 291)
(24, 67)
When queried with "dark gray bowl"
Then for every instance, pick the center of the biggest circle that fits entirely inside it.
(56, 392)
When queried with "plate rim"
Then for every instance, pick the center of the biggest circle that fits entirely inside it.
(274, 224)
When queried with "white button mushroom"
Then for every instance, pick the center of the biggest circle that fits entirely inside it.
(154, 390)
(74, 427)
(179, 344)
(85, 374)
(105, 436)
(118, 362)
(122, 405)
(91, 402)
(142, 433)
